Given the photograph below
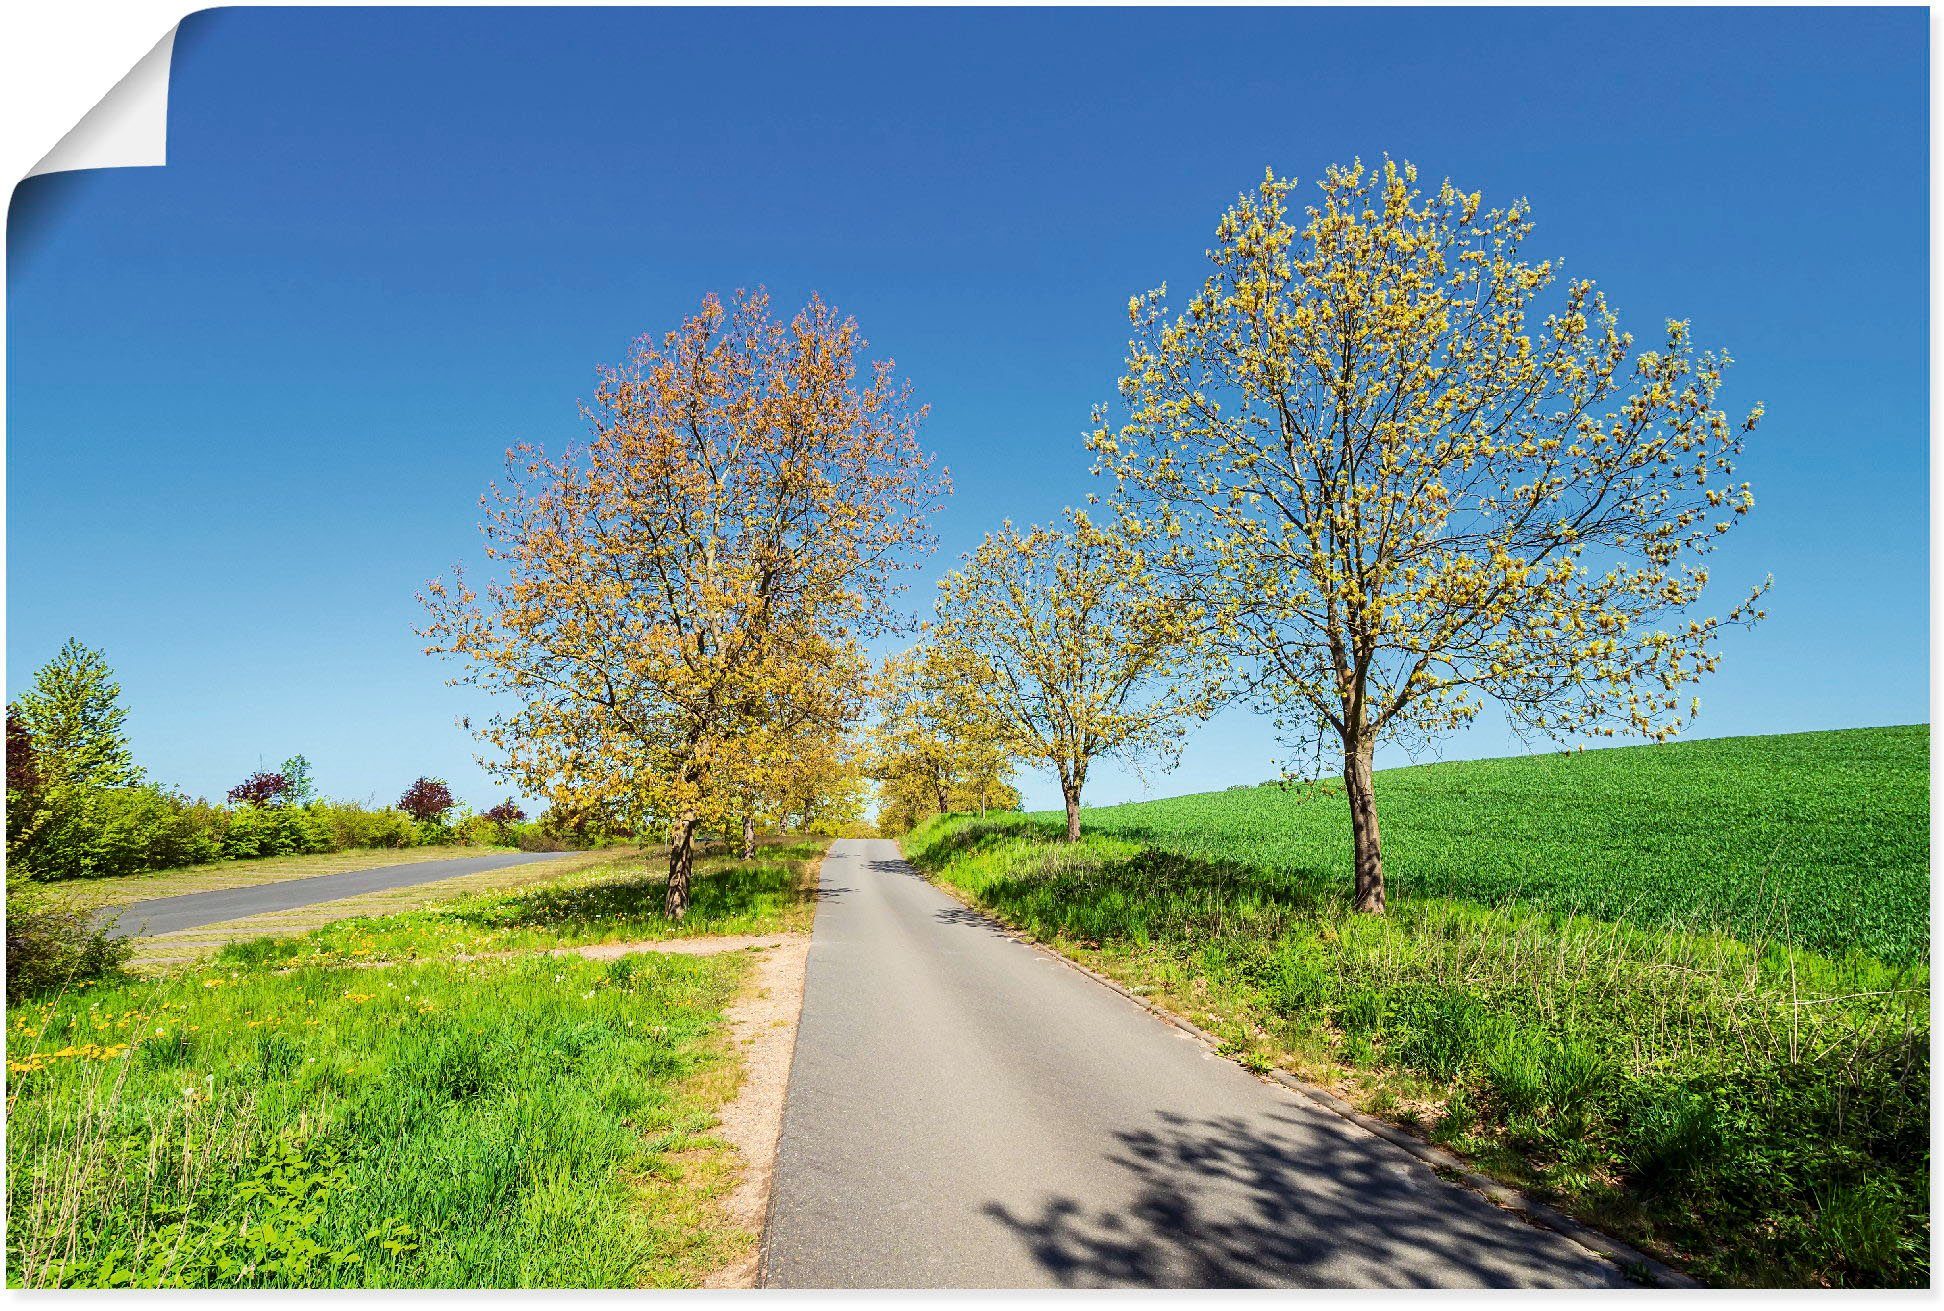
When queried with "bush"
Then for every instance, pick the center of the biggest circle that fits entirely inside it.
(90, 832)
(352, 825)
(144, 828)
(50, 946)
(257, 831)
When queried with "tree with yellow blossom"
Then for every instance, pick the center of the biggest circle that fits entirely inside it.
(934, 749)
(1076, 648)
(750, 488)
(792, 757)
(1404, 483)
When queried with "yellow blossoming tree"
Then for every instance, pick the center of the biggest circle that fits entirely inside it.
(692, 577)
(1404, 483)
(1068, 640)
(935, 749)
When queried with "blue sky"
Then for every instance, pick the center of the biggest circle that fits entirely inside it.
(253, 396)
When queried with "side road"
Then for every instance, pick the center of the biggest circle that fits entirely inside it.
(965, 1111)
(195, 909)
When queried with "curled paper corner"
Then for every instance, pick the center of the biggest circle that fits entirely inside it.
(128, 128)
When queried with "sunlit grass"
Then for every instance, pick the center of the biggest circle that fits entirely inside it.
(609, 902)
(1822, 837)
(477, 1114)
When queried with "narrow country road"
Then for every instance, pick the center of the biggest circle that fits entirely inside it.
(964, 1111)
(192, 910)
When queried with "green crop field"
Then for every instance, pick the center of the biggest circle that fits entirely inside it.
(1681, 991)
(1824, 837)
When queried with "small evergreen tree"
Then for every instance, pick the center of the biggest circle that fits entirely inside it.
(74, 717)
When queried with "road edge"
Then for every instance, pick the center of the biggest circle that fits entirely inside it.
(1444, 1163)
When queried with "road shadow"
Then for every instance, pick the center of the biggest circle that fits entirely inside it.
(1299, 1202)
(966, 917)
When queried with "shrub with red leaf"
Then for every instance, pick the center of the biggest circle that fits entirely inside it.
(506, 812)
(427, 800)
(263, 788)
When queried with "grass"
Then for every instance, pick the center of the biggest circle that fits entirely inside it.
(94, 894)
(609, 902)
(1822, 837)
(283, 1117)
(166, 951)
(1676, 1063)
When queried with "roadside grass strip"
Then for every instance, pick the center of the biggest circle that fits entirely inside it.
(517, 1116)
(538, 1122)
(617, 902)
(96, 894)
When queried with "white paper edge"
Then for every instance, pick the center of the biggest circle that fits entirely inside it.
(128, 127)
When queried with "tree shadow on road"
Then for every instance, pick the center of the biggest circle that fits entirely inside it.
(1224, 1203)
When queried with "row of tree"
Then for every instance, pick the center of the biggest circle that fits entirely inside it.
(1380, 469)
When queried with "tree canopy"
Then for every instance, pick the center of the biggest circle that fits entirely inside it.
(700, 572)
(1404, 483)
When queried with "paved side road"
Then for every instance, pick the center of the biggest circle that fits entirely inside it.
(966, 1112)
(192, 910)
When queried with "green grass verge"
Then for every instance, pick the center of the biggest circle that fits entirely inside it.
(609, 902)
(284, 1117)
(1752, 1109)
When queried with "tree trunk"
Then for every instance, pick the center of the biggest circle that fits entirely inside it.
(1369, 887)
(1071, 791)
(681, 862)
(749, 837)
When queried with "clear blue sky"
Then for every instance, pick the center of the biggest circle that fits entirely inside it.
(255, 394)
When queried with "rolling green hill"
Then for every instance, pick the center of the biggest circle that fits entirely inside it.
(1824, 834)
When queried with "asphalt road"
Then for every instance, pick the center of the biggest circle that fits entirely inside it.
(192, 910)
(965, 1111)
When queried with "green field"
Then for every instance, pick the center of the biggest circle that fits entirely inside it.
(1682, 991)
(421, 1100)
(1822, 837)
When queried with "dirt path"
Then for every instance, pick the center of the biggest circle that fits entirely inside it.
(763, 1025)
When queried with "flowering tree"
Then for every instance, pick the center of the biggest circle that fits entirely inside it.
(1070, 645)
(1401, 491)
(428, 800)
(934, 745)
(750, 489)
